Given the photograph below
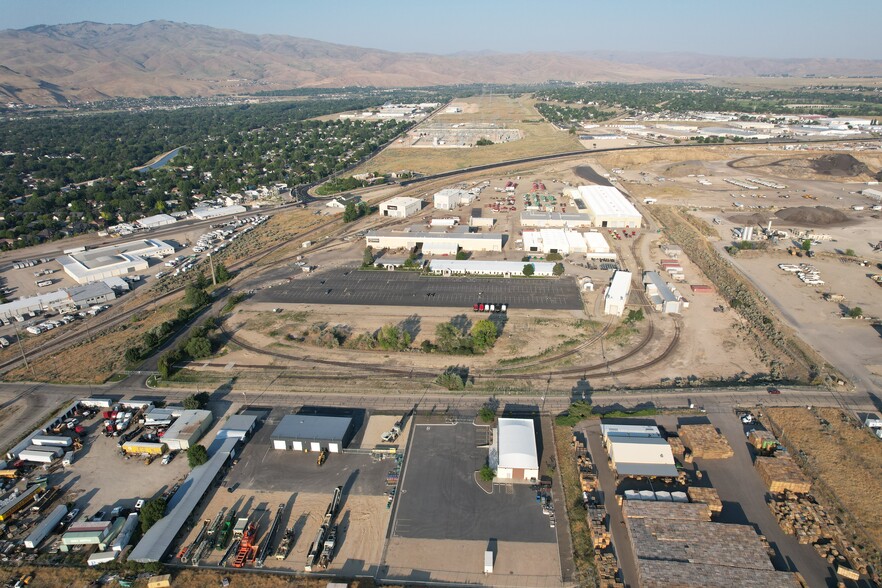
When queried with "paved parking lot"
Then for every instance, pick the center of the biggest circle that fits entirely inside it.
(367, 288)
(266, 469)
(439, 498)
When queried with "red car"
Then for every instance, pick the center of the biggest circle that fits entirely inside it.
(774, 391)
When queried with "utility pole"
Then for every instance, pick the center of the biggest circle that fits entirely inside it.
(21, 348)
(211, 263)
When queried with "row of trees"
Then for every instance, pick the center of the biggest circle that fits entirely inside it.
(456, 339)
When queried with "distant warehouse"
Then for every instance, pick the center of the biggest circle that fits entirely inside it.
(206, 213)
(506, 269)
(187, 429)
(617, 293)
(157, 220)
(606, 206)
(400, 207)
(436, 243)
(94, 265)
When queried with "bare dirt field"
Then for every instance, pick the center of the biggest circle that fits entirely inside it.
(506, 112)
(852, 345)
(845, 458)
(462, 562)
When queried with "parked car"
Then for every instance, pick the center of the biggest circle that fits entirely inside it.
(774, 391)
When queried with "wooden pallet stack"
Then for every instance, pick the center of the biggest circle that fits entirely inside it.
(781, 474)
(763, 441)
(677, 447)
(607, 569)
(708, 496)
(798, 518)
(600, 535)
(705, 442)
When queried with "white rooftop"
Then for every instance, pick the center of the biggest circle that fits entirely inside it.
(607, 201)
(620, 285)
(517, 444)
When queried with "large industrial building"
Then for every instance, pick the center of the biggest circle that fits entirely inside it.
(187, 429)
(302, 432)
(94, 265)
(516, 450)
(676, 544)
(401, 207)
(155, 221)
(555, 219)
(565, 242)
(638, 450)
(506, 269)
(436, 242)
(63, 300)
(661, 295)
(617, 293)
(205, 213)
(450, 198)
(606, 206)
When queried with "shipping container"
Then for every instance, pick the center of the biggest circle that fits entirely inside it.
(36, 456)
(53, 449)
(59, 441)
(45, 527)
(101, 557)
(122, 540)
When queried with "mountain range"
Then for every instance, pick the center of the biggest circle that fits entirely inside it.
(89, 61)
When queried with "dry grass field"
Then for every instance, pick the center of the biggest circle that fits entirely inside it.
(539, 138)
(105, 352)
(846, 459)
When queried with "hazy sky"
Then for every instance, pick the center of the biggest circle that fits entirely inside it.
(770, 28)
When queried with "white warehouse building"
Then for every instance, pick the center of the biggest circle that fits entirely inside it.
(516, 450)
(607, 206)
(94, 265)
(435, 243)
(506, 269)
(450, 198)
(638, 450)
(617, 293)
(401, 207)
(555, 219)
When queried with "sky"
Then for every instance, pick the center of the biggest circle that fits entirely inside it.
(742, 28)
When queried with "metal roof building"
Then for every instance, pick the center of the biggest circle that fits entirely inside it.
(617, 293)
(400, 206)
(207, 213)
(156, 542)
(555, 219)
(449, 267)
(660, 294)
(187, 429)
(608, 207)
(94, 265)
(516, 441)
(638, 450)
(302, 432)
(435, 240)
(238, 426)
(157, 220)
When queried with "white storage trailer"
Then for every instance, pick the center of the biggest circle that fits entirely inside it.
(101, 557)
(41, 440)
(36, 456)
(122, 540)
(45, 527)
(54, 450)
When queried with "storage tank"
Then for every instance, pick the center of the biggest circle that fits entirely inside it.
(37, 456)
(125, 535)
(45, 527)
(58, 441)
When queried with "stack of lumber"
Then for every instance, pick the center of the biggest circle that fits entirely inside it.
(677, 447)
(708, 496)
(705, 442)
(798, 517)
(763, 440)
(607, 568)
(781, 473)
(588, 481)
(597, 526)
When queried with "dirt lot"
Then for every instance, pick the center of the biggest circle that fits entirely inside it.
(851, 345)
(539, 137)
(846, 459)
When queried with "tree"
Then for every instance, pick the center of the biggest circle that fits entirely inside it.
(196, 401)
(554, 256)
(634, 316)
(806, 244)
(487, 473)
(558, 269)
(393, 338)
(150, 339)
(486, 414)
(198, 347)
(350, 213)
(452, 378)
(850, 252)
(151, 512)
(221, 273)
(484, 335)
(133, 355)
(856, 312)
(529, 269)
(461, 255)
(452, 340)
(367, 259)
(196, 297)
(483, 141)
(196, 455)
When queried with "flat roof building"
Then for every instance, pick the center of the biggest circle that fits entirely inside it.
(555, 219)
(238, 426)
(64, 299)
(205, 213)
(400, 207)
(564, 241)
(516, 442)
(341, 201)
(157, 220)
(450, 198)
(435, 241)
(187, 429)
(607, 206)
(302, 432)
(506, 269)
(638, 450)
(94, 265)
(617, 293)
